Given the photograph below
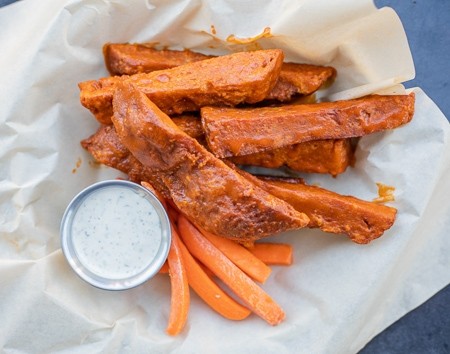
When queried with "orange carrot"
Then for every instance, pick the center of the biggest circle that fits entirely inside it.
(209, 291)
(173, 214)
(169, 206)
(241, 284)
(164, 269)
(273, 253)
(206, 270)
(179, 302)
(173, 205)
(240, 256)
(155, 192)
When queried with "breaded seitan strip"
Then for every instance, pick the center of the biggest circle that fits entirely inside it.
(327, 210)
(204, 188)
(236, 132)
(300, 79)
(360, 220)
(228, 80)
(319, 156)
(191, 125)
(107, 149)
(130, 59)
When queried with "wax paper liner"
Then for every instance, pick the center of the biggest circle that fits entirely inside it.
(337, 295)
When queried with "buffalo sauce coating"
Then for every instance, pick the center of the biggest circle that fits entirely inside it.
(227, 80)
(190, 124)
(328, 211)
(106, 148)
(202, 187)
(362, 221)
(129, 59)
(235, 132)
(295, 79)
(303, 79)
(320, 156)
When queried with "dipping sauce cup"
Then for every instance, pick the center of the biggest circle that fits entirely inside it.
(115, 234)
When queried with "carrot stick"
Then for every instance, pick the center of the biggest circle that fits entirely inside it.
(155, 192)
(179, 302)
(273, 253)
(206, 270)
(173, 214)
(241, 284)
(168, 205)
(209, 291)
(240, 256)
(164, 269)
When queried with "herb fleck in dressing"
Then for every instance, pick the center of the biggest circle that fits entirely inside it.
(116, 233)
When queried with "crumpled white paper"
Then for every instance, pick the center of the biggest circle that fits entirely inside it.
(337, 296)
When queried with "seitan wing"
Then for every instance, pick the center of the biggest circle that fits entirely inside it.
(204, 188)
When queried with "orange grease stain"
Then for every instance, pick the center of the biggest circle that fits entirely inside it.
(385, 193)
(77, 165)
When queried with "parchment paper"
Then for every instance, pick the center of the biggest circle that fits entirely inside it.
(337, 296)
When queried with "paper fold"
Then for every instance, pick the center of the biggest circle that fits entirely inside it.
(337, 296)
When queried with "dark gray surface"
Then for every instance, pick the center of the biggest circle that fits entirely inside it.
(6, 2)
(427, 25)
(424, 330)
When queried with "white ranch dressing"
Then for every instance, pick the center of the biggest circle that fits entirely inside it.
(116, 233)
